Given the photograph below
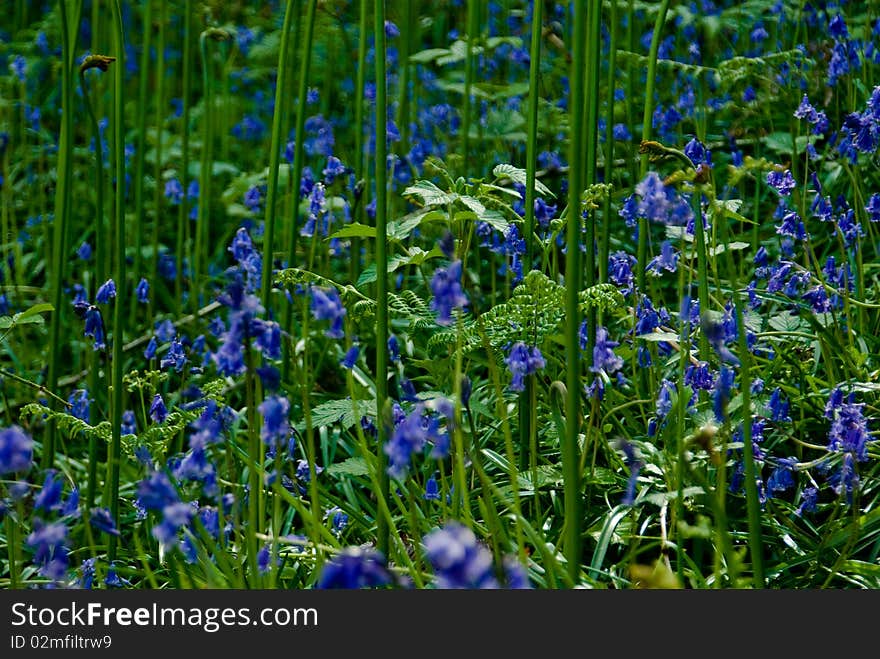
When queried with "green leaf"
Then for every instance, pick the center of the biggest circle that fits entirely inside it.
(354, 466)
(354, 230)
(429, 193)
(518, 175)
(474, 204)
(5, 322)
(658, 336)
(416, 256)
(428, 55)
(33, 311)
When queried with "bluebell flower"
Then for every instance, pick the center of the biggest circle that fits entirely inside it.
(849, 431)
(263, 559)
(350, 358)
(666, 260)
(253, 198)
(604, 358)
(663, 404)
(143, 291)
(334, 168)
(632, 462)
(698, 153)
(408, 437)
(101, 519)
(270, 377)
(106, 292)
(158, 411)
(49, 496)
(80, 404)
(782, 477)
(621, 133)
(699, 376)
(175, 357)
(18, 67)
(781, 181)
(327, 305)
(459, 560)
(846, 479)
(809, 499)
(620, 271)
(355, 567)
(156, 491)
(393, 349)
(84, 252)
(447, 291)
(432, 490)
(523, 360)
(723, 387)
(50, 553)
(174, 191)
(87, 574)
(152, 346)
(129, 425)
(95, 327)
(164, 330)
(778, 406)
(174, 517)
(276, 426)
(873, 207)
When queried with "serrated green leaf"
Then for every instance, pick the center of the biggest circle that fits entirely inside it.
(429, 193)
(517, 175)
(473, 204)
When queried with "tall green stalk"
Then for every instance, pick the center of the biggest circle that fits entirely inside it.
(745, 386)
(141, 123)
(591, 168)
(157, 170)
(62, 218)
(275, 155)
(298, 156)
(604, 239)
(473, 9)
(360, 164)
(642, 256)
(570, 450)
(526, 428)
(102, 245)
(121, 300)
(532, 128)
(204, 170)
(182, 211)
(381, 263)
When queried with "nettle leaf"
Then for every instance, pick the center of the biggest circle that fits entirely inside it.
(416, 256)
(518, 175)
(430, 194)
(401, 229)
(474, 204)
